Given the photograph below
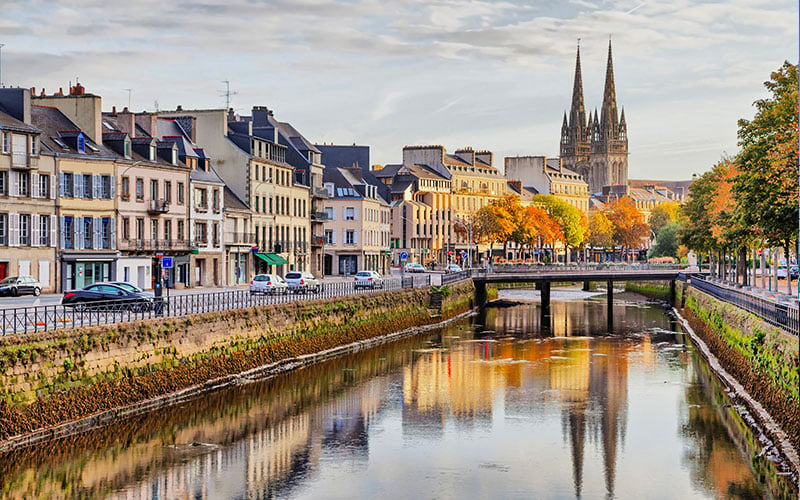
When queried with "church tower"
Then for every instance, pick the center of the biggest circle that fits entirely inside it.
(598, 150)
(575, 142)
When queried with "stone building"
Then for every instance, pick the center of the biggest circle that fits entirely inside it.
(549, 176)
(597, 147)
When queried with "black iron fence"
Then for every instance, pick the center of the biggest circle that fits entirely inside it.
(46, 318)
(590, 266)
(454, 277)
(783, 314)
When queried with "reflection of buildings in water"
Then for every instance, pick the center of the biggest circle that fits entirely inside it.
(273, 453)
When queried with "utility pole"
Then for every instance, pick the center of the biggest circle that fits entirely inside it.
(1, 63)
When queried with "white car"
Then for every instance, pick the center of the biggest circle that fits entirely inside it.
(452, 268)
(268, 284)
(368, 279)
(414, 268)
(302, 282)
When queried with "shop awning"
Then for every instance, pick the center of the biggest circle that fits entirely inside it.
(272, 259)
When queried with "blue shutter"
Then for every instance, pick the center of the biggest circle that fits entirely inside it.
(112, 237)
(63, 232)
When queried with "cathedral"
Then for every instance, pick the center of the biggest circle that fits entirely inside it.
(597, 147)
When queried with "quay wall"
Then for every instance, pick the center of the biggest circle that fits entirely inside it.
(763, 358)
(48, 379)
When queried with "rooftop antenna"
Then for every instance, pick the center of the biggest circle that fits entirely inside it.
(1, 64)
(156, 106)
(129, 98)
(228, 94)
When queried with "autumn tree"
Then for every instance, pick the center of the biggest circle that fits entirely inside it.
(601, 231)
(628, 222)
(573, 223)
(663, 214)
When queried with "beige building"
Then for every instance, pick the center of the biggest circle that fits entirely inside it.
(28, 225)
(549, 176)
(357, 224)
(239, 239)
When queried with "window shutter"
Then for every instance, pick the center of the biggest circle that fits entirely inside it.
(77, 239)
(14, 183)
(112, 237)
(113, 189)
(333, 212)
(62, 184)
(355, 213)
(333, 237)
(96, 190)
(355, 237)
(13, 233)
(52, 187)
(77, 186)
(97, 229)
(35, 237)
(54, 231)
(62, 239)
(35, 186)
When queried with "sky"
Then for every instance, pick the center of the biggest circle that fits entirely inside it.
(484, 74)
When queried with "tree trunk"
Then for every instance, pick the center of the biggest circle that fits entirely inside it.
(788, 268)
(741, 265)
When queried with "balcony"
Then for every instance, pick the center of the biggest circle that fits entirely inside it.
(24, 162)
(317, 241)
(201, 207)
(320, 193)
(240, 238)
(158, 207)
(319, 216)
(153, 245)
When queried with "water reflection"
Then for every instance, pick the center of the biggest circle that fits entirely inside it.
(494, 410)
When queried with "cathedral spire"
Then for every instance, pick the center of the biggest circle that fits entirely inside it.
(577, 114)
(609, 112)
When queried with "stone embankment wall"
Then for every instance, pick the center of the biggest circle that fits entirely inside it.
(763, 358)
(51, 378)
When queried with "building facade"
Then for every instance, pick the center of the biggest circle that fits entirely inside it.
(549, 176)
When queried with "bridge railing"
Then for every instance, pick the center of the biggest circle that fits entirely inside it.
(46, 318)
(607, 266)
(783, 314)
(454, 277)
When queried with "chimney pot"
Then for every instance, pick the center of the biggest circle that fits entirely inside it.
(125, 109)
(113, 110)
(180, 108)
(33, 91)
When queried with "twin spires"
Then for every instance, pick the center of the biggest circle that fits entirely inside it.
(577, 114)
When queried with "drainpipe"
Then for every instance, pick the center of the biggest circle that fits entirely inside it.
(57, 282)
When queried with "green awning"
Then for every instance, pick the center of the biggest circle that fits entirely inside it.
(272, 259)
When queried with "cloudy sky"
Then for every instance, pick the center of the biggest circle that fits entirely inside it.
(388, 73)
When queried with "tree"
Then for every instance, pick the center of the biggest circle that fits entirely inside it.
(666, 244)
(573, 222)
(628, 222)
(601, 231)
(662, 214)
(766, 183)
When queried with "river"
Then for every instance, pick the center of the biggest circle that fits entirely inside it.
(485, 408)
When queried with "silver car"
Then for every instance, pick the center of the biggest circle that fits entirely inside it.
(20, 285)
(368, 279)
(302, 282)
(271, 284)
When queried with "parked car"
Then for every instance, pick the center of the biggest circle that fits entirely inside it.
(368, 279)
(104, 295)
(414, 268)
(268, 284)
(131, 288)
(302, 282)
(793, 272)
(20, 285)
(452, 268)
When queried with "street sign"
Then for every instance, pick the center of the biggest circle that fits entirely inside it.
(166, 262)
(463, 255)
(403, 255)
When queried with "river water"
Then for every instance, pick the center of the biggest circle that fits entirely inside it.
(486, 408)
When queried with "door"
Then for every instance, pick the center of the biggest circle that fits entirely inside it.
(80, 275)
(44, 273)
(198, 272)
(24, 268)
(3, 270)
(216, 272)
(140, 277)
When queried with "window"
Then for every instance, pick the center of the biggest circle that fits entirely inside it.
(349, 213)
(180, 230)
(139, 229)
(25, 230)
(3, 182)
(6, 142)
(105, 187)
(201, 198)
(44, 186)
(4, 229)
(216, 235)
(329, 213)
(87, 232)
(168, 191)
(105, 232)
(67, 232)
(180, 193)
(34, 146)
(154, 229)
(174, 156)
(328, 237)
(349, 238)
(44, 230)
(201, 232)
(24, 183)
(126, 188)
(139, 189)
(81, 143)
(19, 149)
(168, 230)
(126, 228)
(216, 200)
(154, 189)
(86, 180)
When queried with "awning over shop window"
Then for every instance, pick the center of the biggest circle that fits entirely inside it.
(272, 259)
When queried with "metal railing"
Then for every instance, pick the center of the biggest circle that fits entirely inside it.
(240, 238)
(454, 277)
(134, 244)
(783, 314)
(46, 318)
(602, 266)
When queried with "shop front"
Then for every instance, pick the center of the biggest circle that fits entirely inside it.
(270, 263)
(80, 269)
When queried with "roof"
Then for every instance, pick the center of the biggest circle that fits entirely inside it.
(233, 202)
(56, 127)
(8, 122)
(209, 176)
(296, 138)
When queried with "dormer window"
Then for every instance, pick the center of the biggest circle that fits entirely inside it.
(174, 156)
(81, 144)
(126, 148)
(152, 151)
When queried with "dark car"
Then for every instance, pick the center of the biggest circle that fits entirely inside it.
(108, 296)
(20, 285)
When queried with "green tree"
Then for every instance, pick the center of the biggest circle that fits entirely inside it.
(662, 214)
(666, 244)
(601, 231)
(574, 224)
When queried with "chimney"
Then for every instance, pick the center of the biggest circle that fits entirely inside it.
(33, 91)
(466, 154)
(149, 122)
(42, 94)
(113, 110)
(126, 121)
(484, 156)
(60, 92)
(85, 110)
(179, 108)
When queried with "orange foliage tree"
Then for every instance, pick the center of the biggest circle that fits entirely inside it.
(628, 222)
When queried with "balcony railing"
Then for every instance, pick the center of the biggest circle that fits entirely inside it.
(240, 238)
(319, 216)
(201, 207)
(24, 162)
(317, 241)
(153, 245)
(158, 207)
(321, 193)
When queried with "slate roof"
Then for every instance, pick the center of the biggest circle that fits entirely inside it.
(8, 122)
(233, 202)
(54, 125)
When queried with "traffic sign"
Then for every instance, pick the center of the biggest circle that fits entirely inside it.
(463, 255)
(166, 262)
(403, 255)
